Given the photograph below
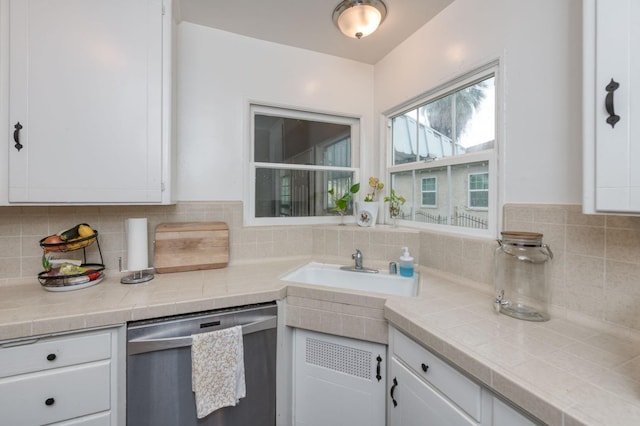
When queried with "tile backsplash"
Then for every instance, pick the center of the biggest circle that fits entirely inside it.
(595, 271)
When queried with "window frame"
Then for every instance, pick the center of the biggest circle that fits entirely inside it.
(491, 156)
(251, 166)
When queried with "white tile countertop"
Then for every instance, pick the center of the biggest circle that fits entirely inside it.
(566, 372)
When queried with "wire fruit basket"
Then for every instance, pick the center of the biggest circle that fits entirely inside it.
(71, 274)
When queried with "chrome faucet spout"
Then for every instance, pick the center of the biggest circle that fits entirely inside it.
(357, 256)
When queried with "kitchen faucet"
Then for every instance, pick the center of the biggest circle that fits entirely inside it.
(357, 256)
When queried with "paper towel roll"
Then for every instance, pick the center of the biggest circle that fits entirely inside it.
(137, 245)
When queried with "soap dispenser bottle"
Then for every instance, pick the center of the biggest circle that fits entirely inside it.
(406, 263)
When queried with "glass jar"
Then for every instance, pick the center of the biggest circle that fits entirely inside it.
(521, 276)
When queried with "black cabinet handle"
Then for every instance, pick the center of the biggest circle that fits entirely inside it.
(50, 401)
(378, 376)
(608, 102)
(424, 367)
(16, 136)
(393, 388)
(51, 357)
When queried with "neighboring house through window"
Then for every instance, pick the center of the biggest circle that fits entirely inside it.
(443, 155)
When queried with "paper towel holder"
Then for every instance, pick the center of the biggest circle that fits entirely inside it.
(137, 252)
(136, 277)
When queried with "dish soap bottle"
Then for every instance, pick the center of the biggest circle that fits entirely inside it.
(406, 263)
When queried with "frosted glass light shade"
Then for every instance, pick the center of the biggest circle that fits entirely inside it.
(359, 18)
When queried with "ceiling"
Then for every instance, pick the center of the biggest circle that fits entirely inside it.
(307, 24)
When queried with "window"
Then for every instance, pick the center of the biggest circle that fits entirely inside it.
(442, 155)
(296, 158)
(429, 191)
(478, 190)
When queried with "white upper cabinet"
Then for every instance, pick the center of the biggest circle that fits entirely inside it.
(89, 98)
(611, 111)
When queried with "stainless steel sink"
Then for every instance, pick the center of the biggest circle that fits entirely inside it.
(330, 275)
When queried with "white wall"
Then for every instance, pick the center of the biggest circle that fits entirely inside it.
(539, 46)
(219, 73)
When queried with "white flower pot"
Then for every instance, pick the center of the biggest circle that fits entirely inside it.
(367, 213)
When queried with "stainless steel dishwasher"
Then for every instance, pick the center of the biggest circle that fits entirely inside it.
(159, 368)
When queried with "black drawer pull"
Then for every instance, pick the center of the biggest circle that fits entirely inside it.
(50, 401)
(51, 357)
(425, 367)
(378, 376)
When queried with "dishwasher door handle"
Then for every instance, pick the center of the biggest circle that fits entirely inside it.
(139, 346)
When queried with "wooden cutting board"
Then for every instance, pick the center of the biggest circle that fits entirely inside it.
(191, 246)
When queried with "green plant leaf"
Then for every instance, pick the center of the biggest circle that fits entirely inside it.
(342, 204)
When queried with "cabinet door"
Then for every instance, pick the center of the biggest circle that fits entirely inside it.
(86, 88)
(417, 403)
(611, 148)
(338, 381)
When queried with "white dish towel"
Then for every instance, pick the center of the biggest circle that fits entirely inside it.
(217, 369)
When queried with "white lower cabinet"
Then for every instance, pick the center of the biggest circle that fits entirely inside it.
(68, 380)
(424, 389)
(338, 381)
(415, 403)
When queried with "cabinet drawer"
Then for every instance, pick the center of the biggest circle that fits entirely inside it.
(461, 390)
(55, 395)
(54, 352)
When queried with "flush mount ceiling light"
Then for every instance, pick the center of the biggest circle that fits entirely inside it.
(359, 18)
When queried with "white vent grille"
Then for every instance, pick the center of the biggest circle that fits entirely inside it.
(344, 359)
